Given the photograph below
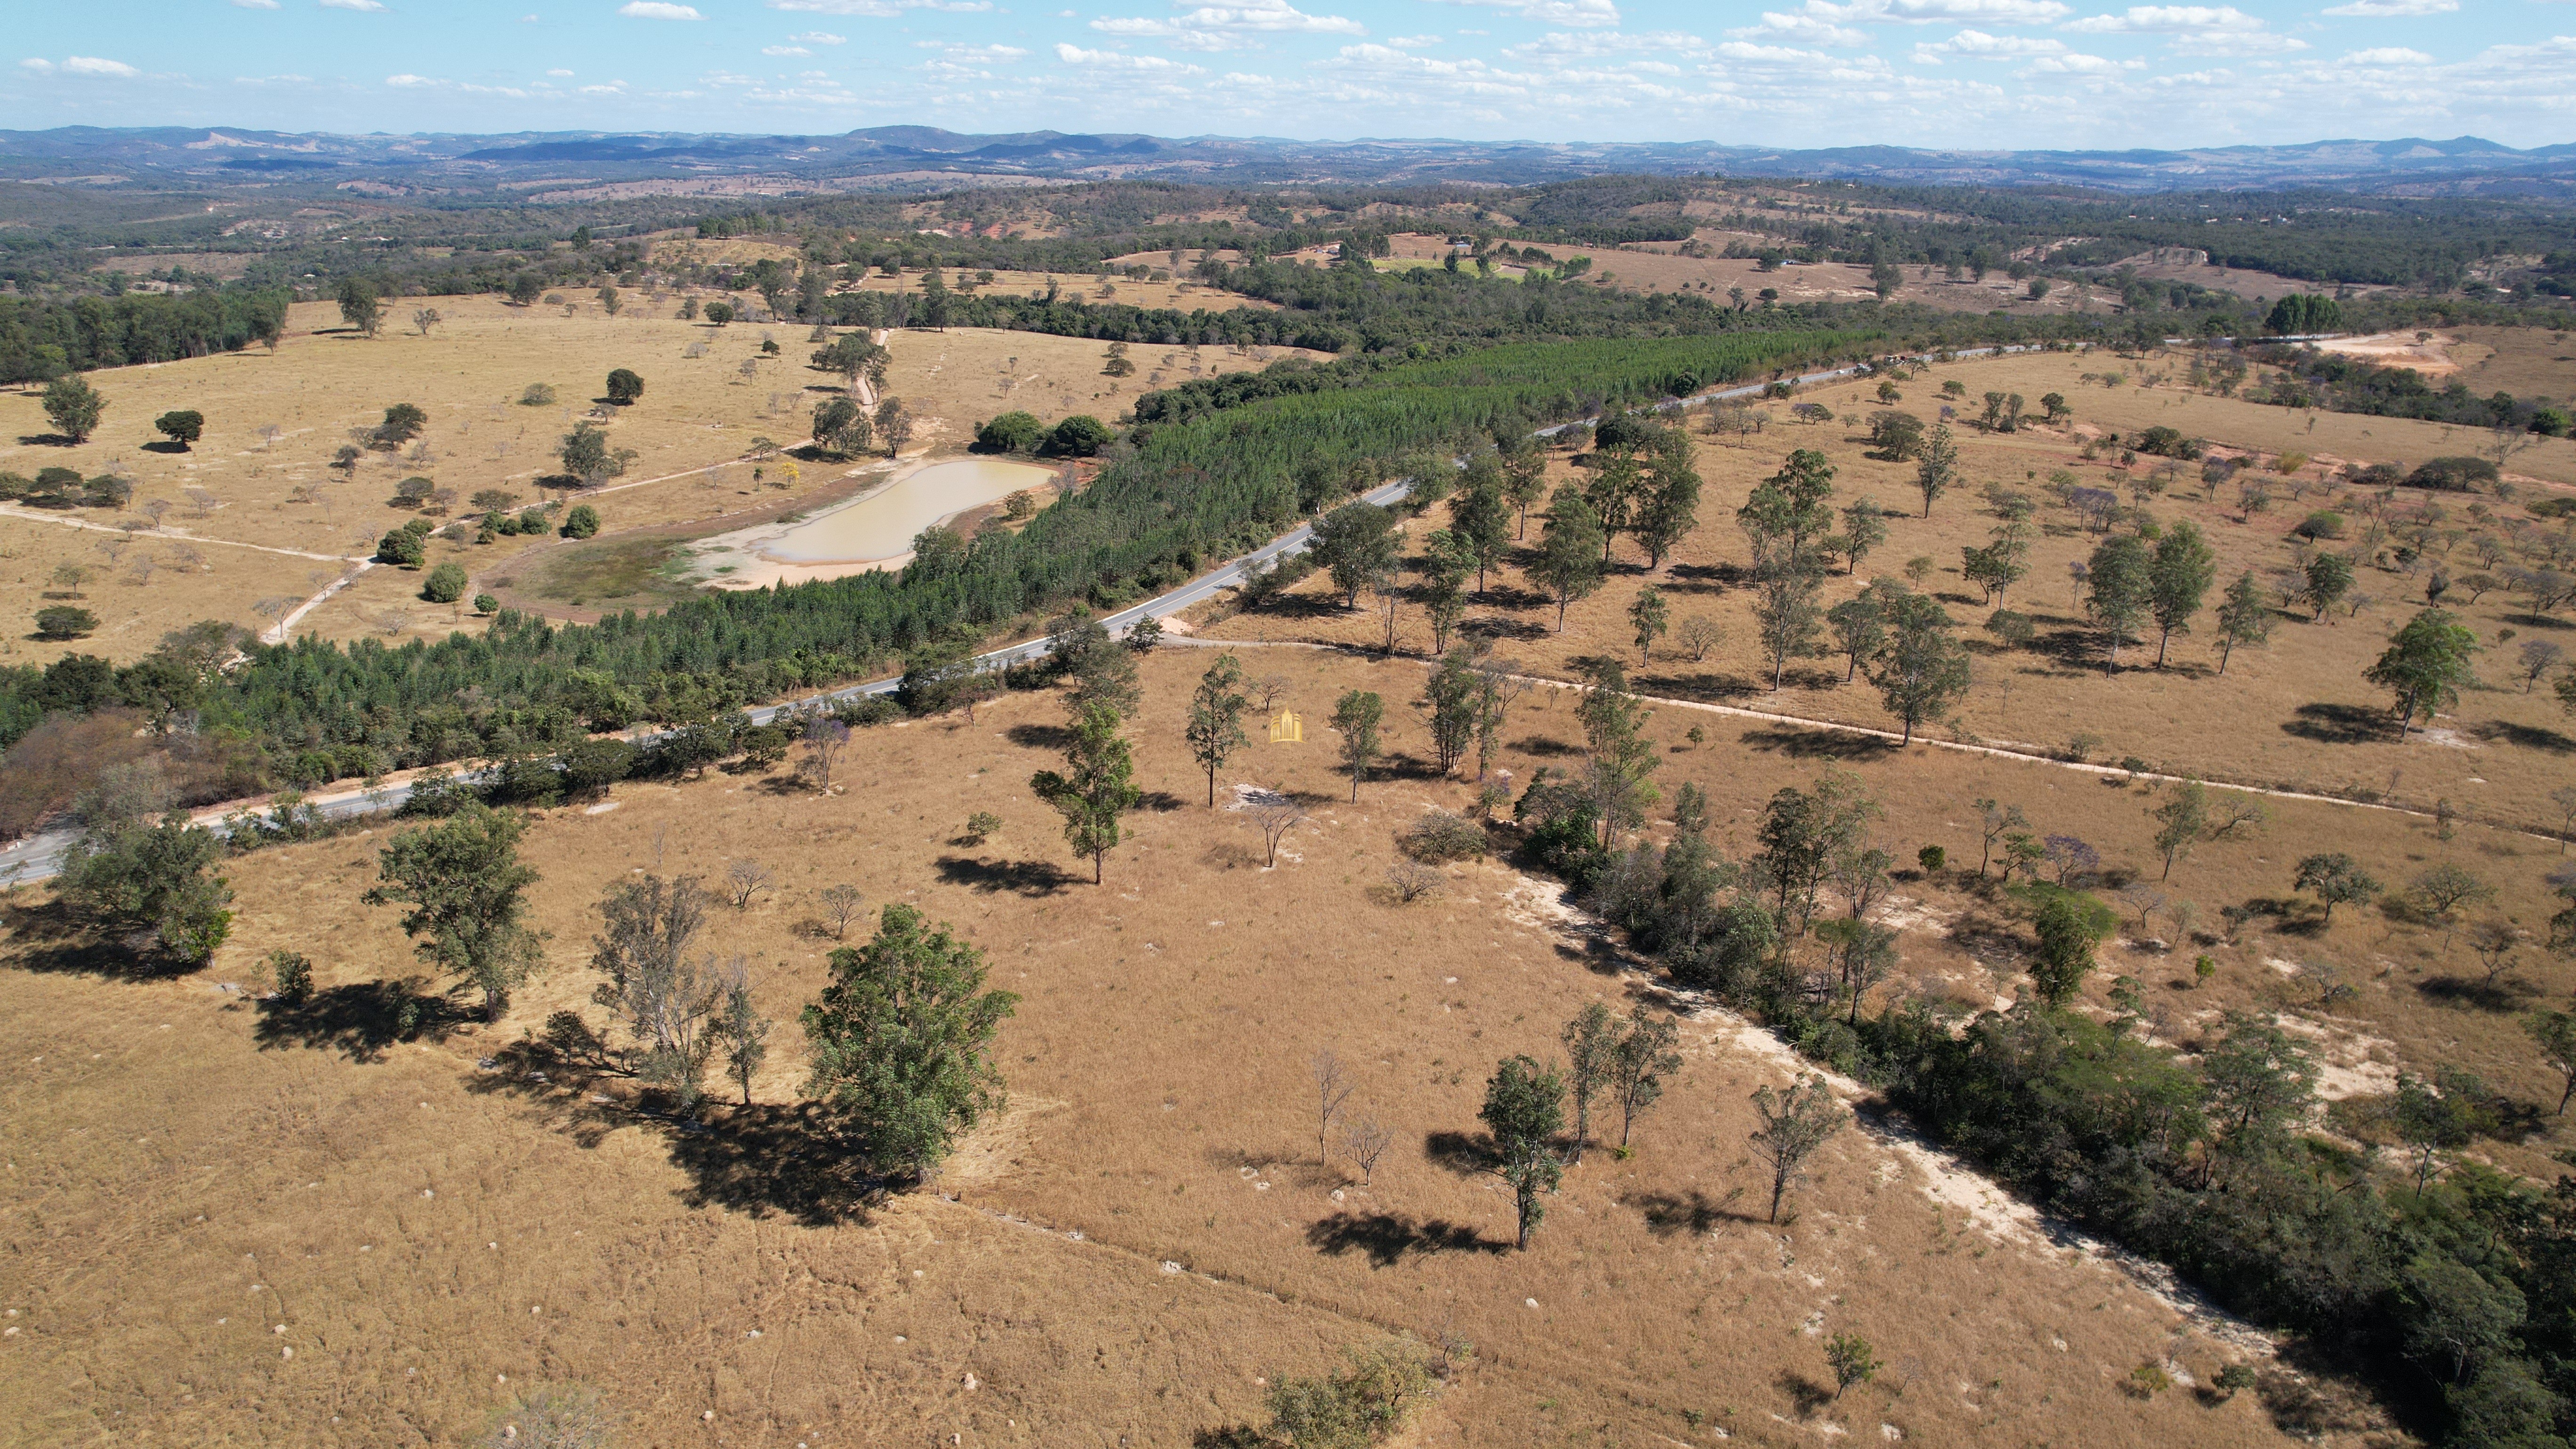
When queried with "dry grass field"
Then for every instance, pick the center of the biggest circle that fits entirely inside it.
(2295, 715)
(247, 518)
(232, 1223)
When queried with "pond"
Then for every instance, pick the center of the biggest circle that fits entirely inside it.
(882, 525)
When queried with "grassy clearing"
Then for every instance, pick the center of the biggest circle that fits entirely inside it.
(611, 573)
(1157, 1065)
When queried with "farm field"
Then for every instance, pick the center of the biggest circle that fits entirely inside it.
(1146, 1235)
(250, 525)
(2295, 714)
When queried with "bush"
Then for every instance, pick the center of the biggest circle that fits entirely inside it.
(445, 584)
(1441, 836)
(1079, 436)
(183, 426)
(2457, 475)
(291, 973)
(63, 621)
(538, 395)
(624, 387)
(403, 546)
(581, 522)
(1012, 432)
(486, 604)
(1933, 859)
(2324, 523)
(413, 492)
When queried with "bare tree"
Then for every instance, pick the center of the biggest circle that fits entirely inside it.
(1333, 1088)
(1411, 880)
(155, 509)
(1794, 1125)
(1364, 1142)
(739, 1022)
(203, 500)
(1699, 634)
(1275, 813)
(825, 739)
(746, 878)
(1272, 688)
(425, 319)
(841, 903)
(664, 996)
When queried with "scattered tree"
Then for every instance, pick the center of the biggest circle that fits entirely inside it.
(1356, 718)
(1097, 788)
(1644, 1058)
(1525, 1110)
(465, 885)
(2335, 878)
(901, 1041)
(1333, 1088)
(1592, 1047)
(841, 904)
(1794, 1125)
(1215, 728)
(73, 406)
(625, 386)
(2426, 663)
(183, 426)
(1852, 1360)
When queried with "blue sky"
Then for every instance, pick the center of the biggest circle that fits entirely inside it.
(1973, 73)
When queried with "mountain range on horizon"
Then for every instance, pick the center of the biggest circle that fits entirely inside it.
(929, 158)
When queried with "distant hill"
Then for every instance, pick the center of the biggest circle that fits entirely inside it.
(925, 157)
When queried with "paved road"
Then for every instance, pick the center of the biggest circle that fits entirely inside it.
(40, 856)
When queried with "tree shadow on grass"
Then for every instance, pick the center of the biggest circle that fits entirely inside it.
(53, 940)
(1703, 685)
(2530, 737)
(2507, 995)
(1019, 877)
(1039, 736)
(1804, 1392)
(1467, 1155)
(360, 1020)
(762, 1160)
(2338, 724)
(1800, 744)
(1387, 1237)
(1545, 748)
(1670, 1216)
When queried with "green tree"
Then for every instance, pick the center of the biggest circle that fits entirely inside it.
(2441, 889)
(1794, 1124)
(1356, 718)
(406, 547)
(1646, 1055)
(1864, 529)
(183, 426)
(720, 313)
(1451, 695)
(1357, 544)
(1012, 432)
(1860, 625)
(2329, 578)
(1524, 478)
(1922, 674)
(1622, 756)
(1525, 1110)
(73, 406)
(2334, 878)
(1591, 1057)
(1215, 728)
(1938, 467)
(2259, 1082)
(150, 884)
(588, 458)
(2119, 592)
(1097, 788)
(362, 307)
(1078, 436)
(625, 386)
(1569, 563)
(901, 1041)
(2178, 579)
(2182, 822)
(65, 621)
(1785, 617)
(2070, 925)
(581, 521)
(466, 888)
(1669, 508)
(842, 429)
(2554, 1032)
(2426, 662)
(893, 425)
(1649, 617)
(2243, 617)
(744, 1030)
(1852, 1360)
(1480, 520)
(445, 584)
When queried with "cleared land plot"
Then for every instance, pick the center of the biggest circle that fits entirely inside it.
(1158, 1065)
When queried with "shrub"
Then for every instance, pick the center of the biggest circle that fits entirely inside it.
(538, 395)
(445, 584)
(404, 547)
(292, 972)
(182, 426)
(624, 387)
(2324, 523)
(1933, 859)
(2458, 475)
(1079, 436)
(1441, 836)
(532, 519)
(63, 621)
(486, 604)
(1012, 432)
(581, 522)
(413, 492)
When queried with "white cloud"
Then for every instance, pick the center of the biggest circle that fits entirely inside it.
(2383, 9)
(1942, 12)
(81, 65)
(256, 4)
(981, 54)
(784, 50)
(2194, 19)
(1750, 54)
(560, 74)
(881, 9)
(1586, 14)
(1978, 45)
(1412, 42)
(2388, 55)
(819, 37)
(1119, 60)
(364, 7)
(658, 10)
(408, 81)
(613, 88)
(2077, 63)
(1806, 29)
(1229, 27)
